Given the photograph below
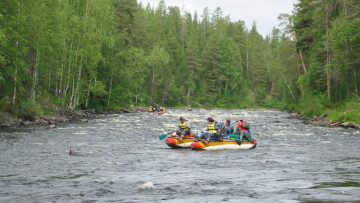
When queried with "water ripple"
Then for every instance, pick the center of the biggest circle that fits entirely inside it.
(293, 162)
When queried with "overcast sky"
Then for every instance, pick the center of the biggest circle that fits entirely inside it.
(263, 12)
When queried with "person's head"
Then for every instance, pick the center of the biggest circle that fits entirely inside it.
(227, 122)
(240, 120)
(210, 119)
(182, 119)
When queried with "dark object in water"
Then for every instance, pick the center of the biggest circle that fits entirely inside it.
(52, 126)
(73, 153)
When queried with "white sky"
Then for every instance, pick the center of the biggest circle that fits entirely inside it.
(263, 12)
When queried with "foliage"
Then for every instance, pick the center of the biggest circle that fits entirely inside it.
(29, 110)
(112, 54)
(310, 106)
(5, 104)
(348, 110)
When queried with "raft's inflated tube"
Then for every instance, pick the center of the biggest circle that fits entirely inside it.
(177, 143)
(223, 145)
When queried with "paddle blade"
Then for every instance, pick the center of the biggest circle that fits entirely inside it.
(234, 136)
(161, 137)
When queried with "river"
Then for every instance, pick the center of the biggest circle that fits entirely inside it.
(293, 161)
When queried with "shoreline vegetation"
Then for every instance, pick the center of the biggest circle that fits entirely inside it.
(8, 121)
(321, 121)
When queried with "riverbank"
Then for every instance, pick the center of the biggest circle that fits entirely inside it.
(321, 121)
(9, 121)
(343, 114)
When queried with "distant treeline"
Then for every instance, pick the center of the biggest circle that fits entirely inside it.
(109, 54)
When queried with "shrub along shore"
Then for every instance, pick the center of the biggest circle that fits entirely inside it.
(321, 121)
(9, 121)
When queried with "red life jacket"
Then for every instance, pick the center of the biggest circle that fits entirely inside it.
(241, 127)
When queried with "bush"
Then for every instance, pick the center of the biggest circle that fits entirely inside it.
(5, 104)
(249, 99)
(310, 106)
(347, 111)
(29, 110)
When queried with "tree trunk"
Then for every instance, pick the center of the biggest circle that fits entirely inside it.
(345, 7)
(35, 75)
(136, 94)
(247, 56)
(288, 86)
(59, 89)
(165, 83)
(88, 94)
(273, 88)
(328, 71)
(188, 96)
(72, 93)
(152, 86)
(355, 84)
(77, 94)
(183, 38)
(69, 71)
(61, 73)
(50, 79)
(204, 30)
(300, 54)
(15, 82)
(111, 80)
(189, 87)
(95, 80)
(164, 94)
(301, 86)
(302, 61)
(348, 83)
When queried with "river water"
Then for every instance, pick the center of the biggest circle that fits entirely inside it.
(293, 162)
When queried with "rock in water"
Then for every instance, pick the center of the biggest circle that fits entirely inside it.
(146, 186)
(52, 126)
(73, 153)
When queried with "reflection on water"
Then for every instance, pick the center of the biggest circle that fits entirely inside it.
(293, 162)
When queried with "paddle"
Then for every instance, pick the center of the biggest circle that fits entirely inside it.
(163, 136)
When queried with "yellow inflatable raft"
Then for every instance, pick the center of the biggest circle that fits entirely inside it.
(224, 144)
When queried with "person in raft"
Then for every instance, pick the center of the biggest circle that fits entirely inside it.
(226, 129)
(162, 110)
(243, 129)
(211, 132)
(184, 127)
(151, 109)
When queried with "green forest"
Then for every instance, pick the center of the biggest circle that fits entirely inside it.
(65, 55)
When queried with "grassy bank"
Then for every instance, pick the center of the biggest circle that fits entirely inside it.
(345, 111)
